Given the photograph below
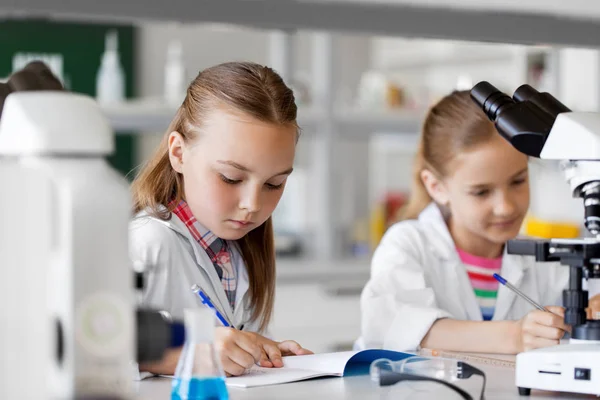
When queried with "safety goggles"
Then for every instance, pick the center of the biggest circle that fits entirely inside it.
(440, 370)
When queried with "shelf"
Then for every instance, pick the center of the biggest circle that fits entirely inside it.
(456, 20)
(360, 122)
(154, 116)
(140, 116)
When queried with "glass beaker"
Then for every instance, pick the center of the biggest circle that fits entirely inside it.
(199, 374)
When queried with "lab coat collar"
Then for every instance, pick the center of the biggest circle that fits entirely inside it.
(205, 263)
(179, 226)
(441, 244)
(439, 238)
(514, 267)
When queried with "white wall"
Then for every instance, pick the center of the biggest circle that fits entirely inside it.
(579, 83)
(203, 46)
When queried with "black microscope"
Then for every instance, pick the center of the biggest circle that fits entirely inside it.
(539, 125)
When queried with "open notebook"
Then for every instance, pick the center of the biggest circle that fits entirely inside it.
(299, 368)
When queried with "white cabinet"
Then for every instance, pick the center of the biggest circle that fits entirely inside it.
(322, 317)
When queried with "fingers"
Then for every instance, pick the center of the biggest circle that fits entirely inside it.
(532, 342)
(556, 310)
(273, 352)
(290, 347)
(264, 360)
(251, 344)
(236, 351)
(237, 355)
(543, 329)
(231, 367)
(545, 332)
(549, 318)
(240, 350)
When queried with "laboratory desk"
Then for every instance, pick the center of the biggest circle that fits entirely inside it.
(500, 386)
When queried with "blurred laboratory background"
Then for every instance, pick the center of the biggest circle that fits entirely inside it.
(362, 94)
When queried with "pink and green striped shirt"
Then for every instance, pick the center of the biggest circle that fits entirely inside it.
(481, 271)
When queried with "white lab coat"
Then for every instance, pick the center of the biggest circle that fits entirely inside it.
(417, 277)
(172, 262)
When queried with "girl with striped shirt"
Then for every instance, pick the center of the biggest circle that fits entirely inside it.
(432, 279)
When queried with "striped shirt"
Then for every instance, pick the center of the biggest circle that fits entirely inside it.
(481, 271)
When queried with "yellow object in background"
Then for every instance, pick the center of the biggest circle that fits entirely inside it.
(548, 230)
(377, 225)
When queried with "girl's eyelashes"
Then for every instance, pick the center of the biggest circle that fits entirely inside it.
(269, 186)
(480, 193)
(485, 192)
(229, 181)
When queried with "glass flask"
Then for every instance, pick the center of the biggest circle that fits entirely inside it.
(199, 374)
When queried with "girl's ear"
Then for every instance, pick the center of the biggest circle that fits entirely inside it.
(176, 145)
(435, 187)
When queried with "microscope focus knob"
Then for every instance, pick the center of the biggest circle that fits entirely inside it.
(591, 204)
(575, 303)
(592, 215)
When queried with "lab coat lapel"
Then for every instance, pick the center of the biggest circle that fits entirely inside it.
(213, 288)
(219, 297)
(458, 286)
(512, 271)
(242, 284)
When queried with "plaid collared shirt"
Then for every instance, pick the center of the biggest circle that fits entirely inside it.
(216, 248)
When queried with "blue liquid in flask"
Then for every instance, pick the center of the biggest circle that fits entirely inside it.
(199, 389)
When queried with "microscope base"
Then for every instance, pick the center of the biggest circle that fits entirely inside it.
(573, 367)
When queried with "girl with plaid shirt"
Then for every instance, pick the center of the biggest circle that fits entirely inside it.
(203, 206)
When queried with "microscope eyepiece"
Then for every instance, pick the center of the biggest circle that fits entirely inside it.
(544, 101)
(524, 93)
(525, 124)
(490, 99)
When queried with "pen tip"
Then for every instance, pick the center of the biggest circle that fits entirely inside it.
(500, 279)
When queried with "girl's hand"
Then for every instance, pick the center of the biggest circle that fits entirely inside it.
(291, 348)
(239, 350)
(593, 310)
(276, 350)
(541, 329)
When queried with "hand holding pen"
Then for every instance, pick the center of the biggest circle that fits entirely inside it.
(240, 350)
(542, 327)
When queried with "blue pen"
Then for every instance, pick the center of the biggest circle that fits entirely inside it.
(523, 295)
(206, 301)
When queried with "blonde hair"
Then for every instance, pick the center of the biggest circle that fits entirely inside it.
(252, 89)
(451, 126)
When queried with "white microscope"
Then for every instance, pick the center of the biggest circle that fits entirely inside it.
(539, 125)
(66, 285)
(70, 329)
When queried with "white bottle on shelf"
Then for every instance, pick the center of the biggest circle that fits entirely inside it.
(110, 80)
(175, 87)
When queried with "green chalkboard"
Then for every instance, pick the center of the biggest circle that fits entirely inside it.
(73, 50)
